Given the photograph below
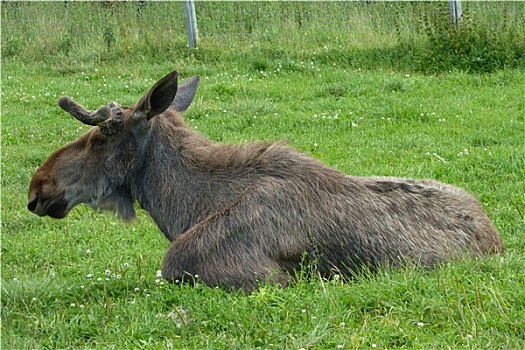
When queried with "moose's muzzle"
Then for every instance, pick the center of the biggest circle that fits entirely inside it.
(56, 207)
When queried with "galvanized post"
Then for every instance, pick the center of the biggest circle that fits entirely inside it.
(191, 23)
(456, 13)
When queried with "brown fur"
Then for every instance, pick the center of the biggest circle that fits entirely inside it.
(240, 214)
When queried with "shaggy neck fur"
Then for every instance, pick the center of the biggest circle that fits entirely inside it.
(185, 178)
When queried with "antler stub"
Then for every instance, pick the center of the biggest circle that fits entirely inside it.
(82, 114)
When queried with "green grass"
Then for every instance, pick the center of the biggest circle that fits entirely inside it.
(412, 36)
(90, 281)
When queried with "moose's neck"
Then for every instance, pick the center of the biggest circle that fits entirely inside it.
(184, 177)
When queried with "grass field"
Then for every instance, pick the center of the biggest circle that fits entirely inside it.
(91, 282)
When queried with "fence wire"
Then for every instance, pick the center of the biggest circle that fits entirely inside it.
(68, 25)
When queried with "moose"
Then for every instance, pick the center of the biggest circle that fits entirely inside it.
(238, 215)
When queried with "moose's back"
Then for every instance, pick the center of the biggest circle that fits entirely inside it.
(292, 204)
(300, 204)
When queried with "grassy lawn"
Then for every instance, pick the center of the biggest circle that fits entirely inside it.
(90, 281)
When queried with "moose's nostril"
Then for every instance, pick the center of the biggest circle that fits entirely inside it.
(31, 205)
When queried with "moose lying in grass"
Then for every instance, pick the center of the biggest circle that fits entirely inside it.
(237, 215)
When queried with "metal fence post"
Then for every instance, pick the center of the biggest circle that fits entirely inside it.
(456, 13)
(191, 23)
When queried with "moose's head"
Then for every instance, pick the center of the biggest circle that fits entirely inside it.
(93, 168)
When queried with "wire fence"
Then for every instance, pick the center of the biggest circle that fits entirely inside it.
(39, 29)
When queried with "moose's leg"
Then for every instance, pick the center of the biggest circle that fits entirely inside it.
(218, 260)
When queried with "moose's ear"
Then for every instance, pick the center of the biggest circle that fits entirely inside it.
(159, 98)
(185, 94)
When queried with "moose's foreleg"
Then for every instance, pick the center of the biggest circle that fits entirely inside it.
(218, 260)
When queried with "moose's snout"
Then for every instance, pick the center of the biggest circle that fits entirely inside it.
(55, 206)
(31, 204)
